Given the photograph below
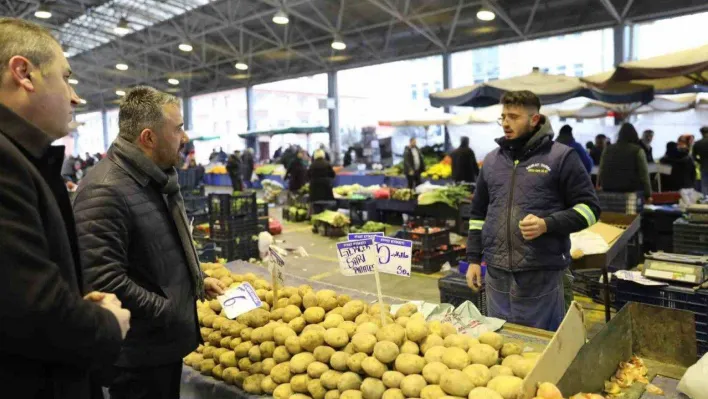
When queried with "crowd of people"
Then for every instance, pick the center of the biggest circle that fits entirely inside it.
(75, 167)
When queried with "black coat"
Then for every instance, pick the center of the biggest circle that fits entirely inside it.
(464, 165)
(247, 165)
(321, 176)
(408, 164)
(49, 335)
(683, 172)
(296, 175)
(130, 247)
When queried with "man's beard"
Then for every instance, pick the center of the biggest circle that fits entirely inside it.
(166, 158)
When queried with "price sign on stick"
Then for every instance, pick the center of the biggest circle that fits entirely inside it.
(276, 264)
(239, 300)
(363, 236)
(394, 255)
(357, 257)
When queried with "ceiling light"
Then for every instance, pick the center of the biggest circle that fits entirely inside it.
(66, 54)
(186, 47)
(82, 101)
(241, 66)
(43, 12)
(338, 43)
(122, 28)
(120, 93)
(485, 15)
(173, 81)
(281, 18)
(122, 67)
(73, 81)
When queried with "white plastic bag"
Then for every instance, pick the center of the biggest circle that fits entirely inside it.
(694, 383)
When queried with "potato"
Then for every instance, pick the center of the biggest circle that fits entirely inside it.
(299, 362)
(496, 371)
(531, 355)
(484, 393)
(354, 362)
(343, 299)
(336, 337)
(327, 302)
(315, 389)
(511, 359)
(373, 367)
(244, 364)
(217, 372)
(372, 388)
(291, 312)
(364, 342)
(483, 354)
(416, 330)
(299, 383)
(386, 351)
(225, 342)
(259, 317)
(338, 361)
(433, 371)
(393, 393)
(430, 341)
(268, 365)
(304, 289)
(283, 391)
(214, 338)
(268, 385)
(246, 334)
(309, 300)
(228, 374)
(334, 394)
(393, 333)
(314, 315)
(293, 345)
(363, 318)
(368, 327)
(235, 342)
(267, 349)
(208, 352)
(325, 293)
(234, 329)
(456, 383)
(349, 327)
(316, 369)
(323, 354)
(309, 340)
(523, 367)
(197, 361)
(333, 320)
(295, 300)
(351, 394)
(377, 308)
(254, 354)
(261, 294)
(479, 374)
(455, 358)
(288, 291)
(281, 333)
(228, 359)
(349, 380)
(435, 354)
(510, 349)
(206, 366)
(432, 392)
(406, 310)
(402, 321)
(239, 378)
(409, 364)
(252, 384)
(277, 314)
(456, 340)
(330, 379)
(507, 386)
(218, 352)
(492, 339)
(256, 368)
(447, 329)
(242, 349)
(412, 385)
(410, 347)
(349, 349)
(281, 373)
(214, 303)
(418, 316)
(352, 309)
(282, 304)
(281, 354)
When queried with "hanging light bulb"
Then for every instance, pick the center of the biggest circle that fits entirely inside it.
(43, 12)
(281, 18)
(186, 47)
(120, 93)
(122, 28)
(485, 15)
(82, 101)
(73, 81)
(122, 67)
(338, 43)
(241, 66)
(173, 81)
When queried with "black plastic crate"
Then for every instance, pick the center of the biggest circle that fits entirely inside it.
(189, 179)
(588, 282)
(262, 209)
(206, 252)
(627, 203)
(430, 262)
(427, 240)
(240, 248)
(702, 348)
(263, 223)
(690, 238)
(233, 207)
(454, 290)
(196, 204)
(226, 229)
(327, 230)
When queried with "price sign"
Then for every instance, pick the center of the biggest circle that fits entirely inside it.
(357, 257)
(394, 255)
(276, 265)
(239, 300)
(363, 236)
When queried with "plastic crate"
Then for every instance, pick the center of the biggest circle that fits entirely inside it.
(262, 209)
(263, 223)
(327, 230)
(666, 197)
(588, 282)
(427, 241)
(690, 238)
(430, 262)
(232, 207)
(229, 229)
(454, 290)
(188, 179)
(241, 248)
(627, 203)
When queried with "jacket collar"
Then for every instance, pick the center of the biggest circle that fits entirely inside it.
(542, 135)
(23, 133)
(131, 159)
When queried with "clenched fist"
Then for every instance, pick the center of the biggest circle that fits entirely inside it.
(532, 227)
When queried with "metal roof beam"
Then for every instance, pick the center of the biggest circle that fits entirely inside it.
(612, 10)
(505, 17)
(397, 15)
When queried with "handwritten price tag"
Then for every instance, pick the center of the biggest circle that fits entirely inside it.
(394, 255)
(357, 257)
(276, 265)
(362, 236)
(239, 300)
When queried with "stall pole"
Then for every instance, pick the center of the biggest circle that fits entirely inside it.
(333, 116)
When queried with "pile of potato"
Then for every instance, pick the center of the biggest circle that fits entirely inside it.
(317, 344)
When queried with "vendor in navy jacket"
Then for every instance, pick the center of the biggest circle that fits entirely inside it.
(531, 194)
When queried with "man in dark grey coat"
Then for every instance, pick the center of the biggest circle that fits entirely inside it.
(50, 335)
(413, 164)
(136, 242)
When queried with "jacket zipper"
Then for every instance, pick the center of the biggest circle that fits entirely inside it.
(509, 208)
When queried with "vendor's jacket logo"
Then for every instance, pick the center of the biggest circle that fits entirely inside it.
(538, 168)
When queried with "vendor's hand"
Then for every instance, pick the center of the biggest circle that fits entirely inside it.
(213, 287)
(532, 227)
(474, 276)
(102, 298)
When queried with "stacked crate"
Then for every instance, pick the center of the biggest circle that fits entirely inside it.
(431, 247)
(690, 238)
(233, 225)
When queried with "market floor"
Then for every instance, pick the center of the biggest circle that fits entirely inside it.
(321, 265)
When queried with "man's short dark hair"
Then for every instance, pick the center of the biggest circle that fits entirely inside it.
(142, 109)
(704, 131)
(522, 98)
(600, 136)
(26, 39)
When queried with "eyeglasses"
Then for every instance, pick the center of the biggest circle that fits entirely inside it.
(510, 117)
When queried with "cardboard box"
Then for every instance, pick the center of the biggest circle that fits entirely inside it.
(630, 224)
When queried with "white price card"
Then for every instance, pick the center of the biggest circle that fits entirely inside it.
(394, 255)
(362, 236)
(276, 265)
(239, 300)
(357, 257)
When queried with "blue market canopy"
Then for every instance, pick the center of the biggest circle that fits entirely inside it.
(290, 130)
(551, 89)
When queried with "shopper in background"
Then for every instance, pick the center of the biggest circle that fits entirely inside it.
(296, 174)
(135, 242)
(464, 163)
(565, 136)
(623, 167)
(321, 177)
(248, 165)
(645, 143)
(323, 148)
(589, 146)
(413, 164)
(51, 335)
(683, 171)
(600, 145)
(531, 194)
(233, 168)
(700, 154)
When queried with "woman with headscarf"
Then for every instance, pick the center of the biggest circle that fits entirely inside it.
(296, 175)
(623, 166)
(321, 176)
(683, 172)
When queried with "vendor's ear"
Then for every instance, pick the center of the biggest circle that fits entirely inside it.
(147, 139)
(536, 119)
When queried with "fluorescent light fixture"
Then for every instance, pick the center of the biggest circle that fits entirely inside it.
(82, 101)
(43, 12)
(186, 47)
(485, 15)
(122, 67)
(241, 66)
(122, 28)
(338, 43)
(120, 93)
(73, 81)
(281, 18)
(173, 81)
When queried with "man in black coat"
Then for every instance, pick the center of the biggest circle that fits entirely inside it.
(464, 163)
(136, 242)
(248, 164)
(50, 335)
(413, 164)
(233, 167)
